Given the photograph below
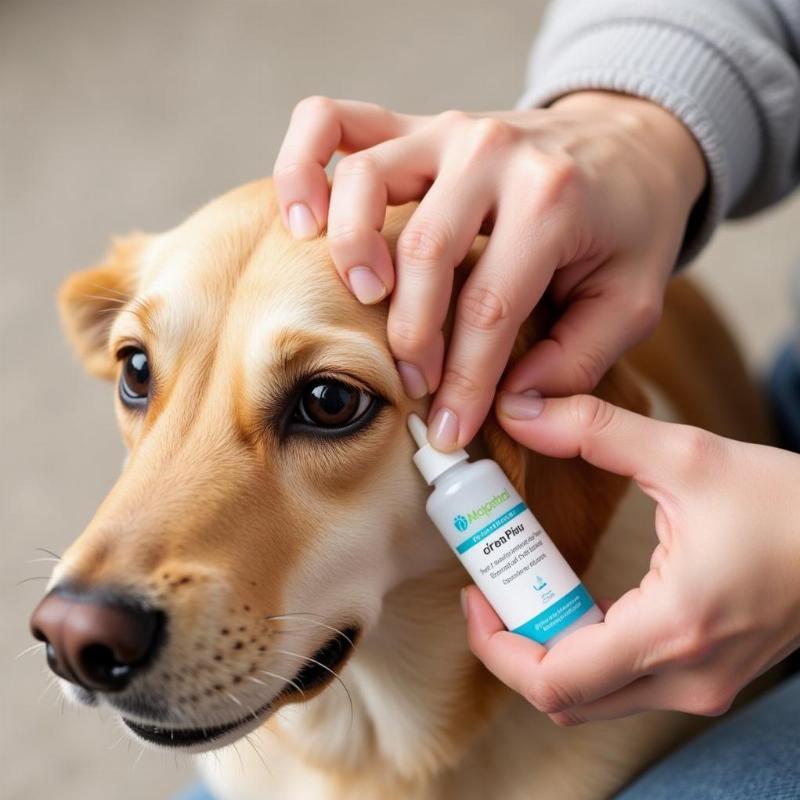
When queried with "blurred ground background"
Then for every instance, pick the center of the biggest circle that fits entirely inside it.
(118, 115)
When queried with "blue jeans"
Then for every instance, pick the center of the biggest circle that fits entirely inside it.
(752, 755)
(197, 792)
(784, 394)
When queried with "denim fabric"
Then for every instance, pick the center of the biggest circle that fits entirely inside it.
(753, 755)
(784, 394)
(196, 792)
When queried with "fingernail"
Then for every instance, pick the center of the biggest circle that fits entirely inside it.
(301, 222)
(413, 380)
(520, 406)
(366, 285)
(443, 430)
(464, 604)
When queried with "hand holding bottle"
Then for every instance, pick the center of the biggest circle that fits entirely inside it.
(721, 601)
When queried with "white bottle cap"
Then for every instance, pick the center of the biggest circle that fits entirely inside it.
(430, 461)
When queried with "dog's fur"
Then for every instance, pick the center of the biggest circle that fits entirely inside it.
(257, 544)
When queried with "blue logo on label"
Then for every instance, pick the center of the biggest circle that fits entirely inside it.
(461, 523)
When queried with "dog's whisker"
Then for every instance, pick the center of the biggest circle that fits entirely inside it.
(301, 617)
(34, 578)
(303, 631)
(311, 660)
(138, 758)
(258, 755)
(238, 755)
(53, 682)
(49, 552)
(296, 686)
(234, 698)
(45, 558)
(29, 650)
(116, 744)
(252, 713)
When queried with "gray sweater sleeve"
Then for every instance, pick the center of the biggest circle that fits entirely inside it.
(729, 69)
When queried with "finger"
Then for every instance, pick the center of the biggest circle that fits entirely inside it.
(590, 663)
(597, 327)
(701, 691)
(596, 660)
(643, 694)
(506, 655)
(319, 126)
(393, 172)
(509, 279)
(629, 444)
(435, 240)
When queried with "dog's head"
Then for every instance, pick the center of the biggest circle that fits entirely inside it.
(268, 502)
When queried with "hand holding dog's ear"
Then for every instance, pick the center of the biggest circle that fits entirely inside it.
(721, 602)
(589, 198)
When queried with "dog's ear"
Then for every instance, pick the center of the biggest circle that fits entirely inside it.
(90, 299)
(573, 500)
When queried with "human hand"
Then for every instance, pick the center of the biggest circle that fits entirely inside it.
(589, 197)
(721, 601)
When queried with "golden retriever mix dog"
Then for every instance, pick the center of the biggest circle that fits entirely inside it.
(264, 567)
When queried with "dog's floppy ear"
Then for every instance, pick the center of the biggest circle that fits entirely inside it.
(90, 299)
(573, 500)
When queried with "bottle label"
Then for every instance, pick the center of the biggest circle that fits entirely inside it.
(518, 567)
(489, 529)
(558, 616)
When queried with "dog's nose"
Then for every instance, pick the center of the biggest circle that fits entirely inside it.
(96, 642)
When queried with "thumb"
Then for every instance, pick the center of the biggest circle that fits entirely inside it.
(605, 435)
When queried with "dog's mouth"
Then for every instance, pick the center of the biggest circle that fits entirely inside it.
(319, 670)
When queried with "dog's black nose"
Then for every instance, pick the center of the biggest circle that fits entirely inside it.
(95, 641)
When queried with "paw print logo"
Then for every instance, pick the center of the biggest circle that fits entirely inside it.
(461, 523)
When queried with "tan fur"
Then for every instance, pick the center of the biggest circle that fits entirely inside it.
(693, 358)
(223, 524)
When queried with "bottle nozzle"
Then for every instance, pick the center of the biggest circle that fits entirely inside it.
(419, 430)
(430, 461)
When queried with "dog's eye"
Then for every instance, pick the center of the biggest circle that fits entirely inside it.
(332, 405)
(134, 382)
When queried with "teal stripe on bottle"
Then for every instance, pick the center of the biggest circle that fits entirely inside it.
(556, 617)
(486, 530)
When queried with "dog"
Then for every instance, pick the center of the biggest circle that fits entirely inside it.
(264, 569)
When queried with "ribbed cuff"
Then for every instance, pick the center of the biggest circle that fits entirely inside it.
(676, 68)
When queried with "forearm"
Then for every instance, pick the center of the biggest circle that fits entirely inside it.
(724, 68)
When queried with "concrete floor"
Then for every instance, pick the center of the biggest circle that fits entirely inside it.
(118, 115)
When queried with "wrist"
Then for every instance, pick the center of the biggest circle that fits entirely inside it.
(671, 142)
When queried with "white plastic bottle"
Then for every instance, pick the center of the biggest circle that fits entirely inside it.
(503, 547)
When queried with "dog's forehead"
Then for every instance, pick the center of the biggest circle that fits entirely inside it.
(229, 252)
(232, 276)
